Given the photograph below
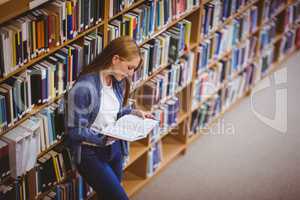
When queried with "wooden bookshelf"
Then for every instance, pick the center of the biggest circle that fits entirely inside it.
(171, 149)
(136, 150)
(172, 145)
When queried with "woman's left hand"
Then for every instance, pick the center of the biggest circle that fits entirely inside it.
(143, 114)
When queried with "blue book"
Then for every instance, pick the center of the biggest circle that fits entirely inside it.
(158, 24)
(46, 113)
(58, 193)
(69, 27)
(80, 188)
(151, 16)
(3, 109)
(218, 43)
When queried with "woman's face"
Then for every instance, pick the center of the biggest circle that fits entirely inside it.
(123, 68)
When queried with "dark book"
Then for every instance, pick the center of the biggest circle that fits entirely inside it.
(173, 49)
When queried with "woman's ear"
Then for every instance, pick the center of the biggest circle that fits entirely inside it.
(115, 59)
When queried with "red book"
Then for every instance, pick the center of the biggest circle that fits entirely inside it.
(297, 41)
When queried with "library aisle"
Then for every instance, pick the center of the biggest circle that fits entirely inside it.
(246, 159)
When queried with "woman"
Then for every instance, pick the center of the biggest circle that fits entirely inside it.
(97, 99)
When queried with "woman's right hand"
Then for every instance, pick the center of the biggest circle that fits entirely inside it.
(110, 140)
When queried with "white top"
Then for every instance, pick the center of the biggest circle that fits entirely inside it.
(109, 108)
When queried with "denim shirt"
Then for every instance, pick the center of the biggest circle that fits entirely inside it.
(83, 105)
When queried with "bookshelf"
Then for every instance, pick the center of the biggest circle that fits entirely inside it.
(175, 139)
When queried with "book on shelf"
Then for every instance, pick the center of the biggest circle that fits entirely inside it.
(47, 79)
(167, 83)
(129, 128)
(31, 138)
(4, 159)
(217, 11)
(52, 168)
(271, 7)
(164, 49)
(45, 28)
(48, 174)
(209, 81)
(22, 144)
(76, 188)
(155, 157)
(204, 115)
(117, 6)
(237, 87)
(288, 42)
(227, 41)
(141, 22)
(297, 39)
(227, 57)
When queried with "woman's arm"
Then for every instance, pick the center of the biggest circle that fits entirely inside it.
(82, 100)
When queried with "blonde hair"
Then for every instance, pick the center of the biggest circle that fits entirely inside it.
(125, 47)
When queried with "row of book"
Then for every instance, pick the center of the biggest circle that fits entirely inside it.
(243, 54)
(140, 23)
(52, 168)
(222, 99)
(267, 35)
(222, 44)
(271, 7)
(290, 41)
(292, 15)
(167, 83)
(30, 138)
(163, 50)
(208, 82)
(168, 115)
(203, 116)
(71, 189)
(42, 29)
(76, 188)
(52, 177)
(47, 79)
(237, 87)
(155, 157)
(217, 11)
(117, 6)
(276, 51)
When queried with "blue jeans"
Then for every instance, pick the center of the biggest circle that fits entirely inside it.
(102, 169)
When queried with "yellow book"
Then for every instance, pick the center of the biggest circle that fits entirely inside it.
(58, 168)
(60, 78)
(24, 189)
(162, 14)
(187, 34)
(131, 25)
(69, 7)
(14, 56)
(21, 190)
(52, 153)
(127, 18)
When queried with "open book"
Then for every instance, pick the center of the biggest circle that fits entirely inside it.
(130, 128)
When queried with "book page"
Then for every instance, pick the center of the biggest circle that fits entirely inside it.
(131, 128)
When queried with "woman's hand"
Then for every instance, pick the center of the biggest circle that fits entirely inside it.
(110, 140)
(143, 114)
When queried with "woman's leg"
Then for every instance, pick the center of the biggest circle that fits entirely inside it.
(100, 176)
(117, 165)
